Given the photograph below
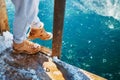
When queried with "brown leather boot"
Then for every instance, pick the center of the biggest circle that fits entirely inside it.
(26, 47)
(40, 32)
(29, 47)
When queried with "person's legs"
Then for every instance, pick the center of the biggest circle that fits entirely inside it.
(35, 22)
(37, 27)
(26, 12)
(20, 21)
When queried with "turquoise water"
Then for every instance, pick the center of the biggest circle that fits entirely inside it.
(91, 37)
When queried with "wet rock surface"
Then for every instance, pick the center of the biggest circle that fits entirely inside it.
(22, 66)
(71, 72)
(30, 67)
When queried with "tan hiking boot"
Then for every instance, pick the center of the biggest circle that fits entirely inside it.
(39, 33)
(27, 47)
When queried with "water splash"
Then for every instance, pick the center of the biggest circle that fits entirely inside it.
(110, 8)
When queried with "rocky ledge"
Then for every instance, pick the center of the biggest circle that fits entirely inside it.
(31, 67)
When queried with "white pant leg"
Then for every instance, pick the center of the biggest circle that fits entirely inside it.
(36, 21)
(26, 12)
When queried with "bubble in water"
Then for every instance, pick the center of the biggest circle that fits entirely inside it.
(89, 41)
(104, 60)
(86, 65)
(118, 73)
(111, 26)
(70, 51)
(113, 41)
(91, 57)
(71, 45)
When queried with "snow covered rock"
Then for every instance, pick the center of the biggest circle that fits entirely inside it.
(5, 41)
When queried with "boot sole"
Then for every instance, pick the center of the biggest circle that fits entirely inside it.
(32, 38)
(19, 52)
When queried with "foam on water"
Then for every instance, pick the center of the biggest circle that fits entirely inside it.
(109, 8)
